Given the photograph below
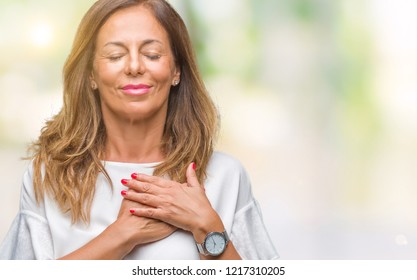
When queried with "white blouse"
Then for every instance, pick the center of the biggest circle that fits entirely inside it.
(43, 231)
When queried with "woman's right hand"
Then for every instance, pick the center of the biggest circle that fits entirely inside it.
(122, 236)
(140, 230)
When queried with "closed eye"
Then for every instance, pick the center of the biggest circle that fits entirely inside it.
(153, 56)
(115, 57)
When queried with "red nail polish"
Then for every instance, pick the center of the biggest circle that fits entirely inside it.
(134, 175)
(132, 211)
(124, 181)
(123, 192)
(193, 166)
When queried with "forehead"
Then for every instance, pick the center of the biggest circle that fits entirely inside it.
(136, 23)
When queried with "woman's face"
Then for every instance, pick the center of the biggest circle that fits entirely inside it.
(133, 67)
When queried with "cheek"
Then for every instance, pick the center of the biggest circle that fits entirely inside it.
(162, 72)
(106, 74)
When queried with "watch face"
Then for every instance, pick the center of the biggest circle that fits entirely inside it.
(215, 243)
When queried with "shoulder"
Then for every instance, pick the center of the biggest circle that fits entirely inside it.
(28, 176)
(28, 196)
(228, 182)
(227, 169)
(223, 161)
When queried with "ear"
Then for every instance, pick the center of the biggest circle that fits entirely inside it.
(93, 83)
(177, 76)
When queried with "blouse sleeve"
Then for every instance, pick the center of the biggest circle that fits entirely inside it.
(250, 236)
(29, 236)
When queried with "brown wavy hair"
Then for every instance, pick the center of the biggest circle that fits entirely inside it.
(67, 157)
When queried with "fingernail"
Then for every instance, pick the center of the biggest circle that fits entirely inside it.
(134, 175)
(124, 181)
(132, 211)
(123, 192)
(193, 166)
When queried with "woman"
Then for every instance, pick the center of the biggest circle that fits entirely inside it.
(118, 173)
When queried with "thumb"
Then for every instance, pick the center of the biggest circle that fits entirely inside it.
(192, 179)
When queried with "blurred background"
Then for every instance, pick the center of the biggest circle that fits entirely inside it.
(318, 100)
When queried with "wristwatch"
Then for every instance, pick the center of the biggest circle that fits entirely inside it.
(214, 244)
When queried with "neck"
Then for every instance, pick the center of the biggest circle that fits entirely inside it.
(138, 142)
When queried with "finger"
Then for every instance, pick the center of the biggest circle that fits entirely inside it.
(152, 213)
(155, 180)
(142, 187)
(142, 198)
(192, 179)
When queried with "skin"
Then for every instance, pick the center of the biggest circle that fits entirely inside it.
(133, 48)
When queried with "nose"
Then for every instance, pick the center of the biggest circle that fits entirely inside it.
(134, 65)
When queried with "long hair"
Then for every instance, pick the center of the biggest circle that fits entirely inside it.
(67, 157)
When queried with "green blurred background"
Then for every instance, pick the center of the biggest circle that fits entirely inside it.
(318, 100)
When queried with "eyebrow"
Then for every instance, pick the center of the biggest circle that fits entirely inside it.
(145, 43)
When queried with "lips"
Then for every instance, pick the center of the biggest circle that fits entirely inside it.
(137, 89)
(140, 86)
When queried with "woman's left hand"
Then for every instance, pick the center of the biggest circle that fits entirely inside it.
(184, 206)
